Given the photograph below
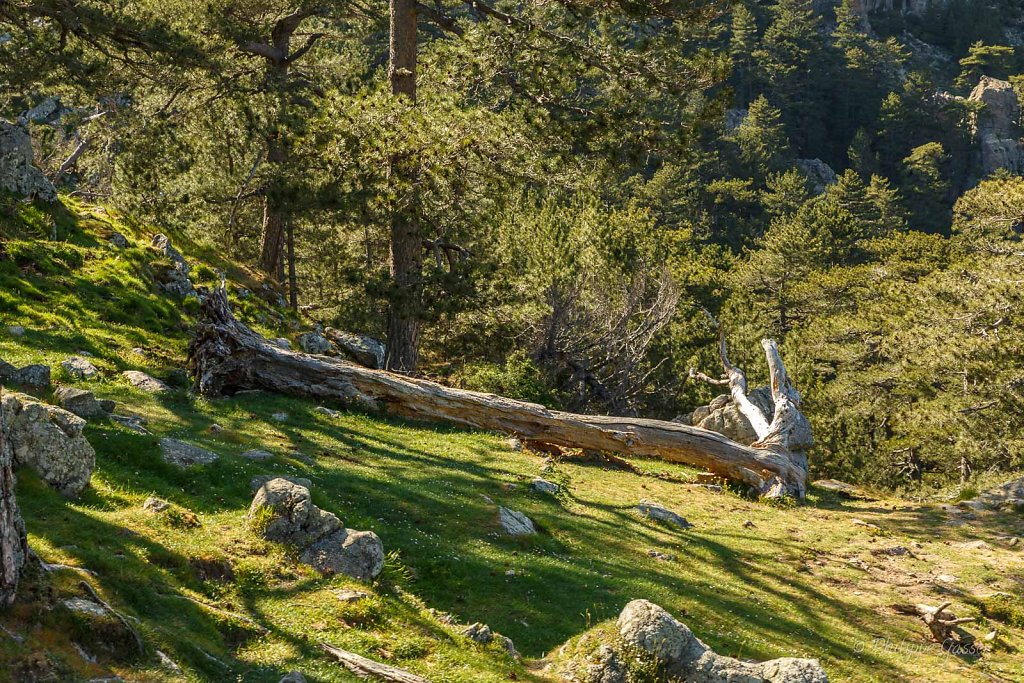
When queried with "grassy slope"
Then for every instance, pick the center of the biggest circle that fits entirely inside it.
(782, 587)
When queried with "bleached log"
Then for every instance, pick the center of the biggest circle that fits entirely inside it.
(227, 356)
(363, 667)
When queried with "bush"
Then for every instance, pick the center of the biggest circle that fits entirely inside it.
(517, 378)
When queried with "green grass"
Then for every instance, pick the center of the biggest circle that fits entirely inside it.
(784, 587)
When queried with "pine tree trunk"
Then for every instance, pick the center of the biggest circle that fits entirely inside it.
(405, 298)
(13, 543)
(275, 213)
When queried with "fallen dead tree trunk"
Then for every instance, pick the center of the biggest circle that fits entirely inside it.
(226, 356)
(364, 668)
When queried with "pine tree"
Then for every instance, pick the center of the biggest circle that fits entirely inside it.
(742, 44)
(926, 187)
(762, 139)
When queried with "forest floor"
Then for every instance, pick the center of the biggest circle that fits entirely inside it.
(752, 580)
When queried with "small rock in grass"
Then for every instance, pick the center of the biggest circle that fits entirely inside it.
(544, 486)
(748, 524)
(168, 663)
(515, 523)
(216, 428)
(281, 343)
(79, 368)
(182, 454)
(894, 551)
(16, 330)
(132, 422)
(279, 417)
(662, 514)
(487, 499)
(293, 677)
(658, 555)
(479, 633)
(118, 241)
(323, 410)
(257, 455)
(34, 376)
(349, 595)
(515, 444)
(141, 380)
(509, 487)
(154, 504)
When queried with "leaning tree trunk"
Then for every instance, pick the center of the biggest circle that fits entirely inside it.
(225, 356)
(13, 544)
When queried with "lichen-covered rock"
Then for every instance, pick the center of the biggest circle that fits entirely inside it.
(141, 380)
(184, 455)
(30, 376)
(175, 279)
(515, 523)
(359, 554)
(286, 514)
(662, 514)
(649, 628)
(99, 632)
(49, 440)
(18, 173)
(364, 350)
(257, 455)
(996, 126)
(315, 343)
(79, 368)
(539, 485)
(292, 517)
(83, 403)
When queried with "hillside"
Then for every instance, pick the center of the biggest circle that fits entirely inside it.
(752, 580)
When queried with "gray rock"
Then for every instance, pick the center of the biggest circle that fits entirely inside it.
(132, 422)
(49, 440)
(82, 403)
(175, 279)
(364, 350)
(184, 455)
(293, 677)
(996, 126)
(327, 411)
(539, 485)
(349, 595)
(662, 514)
(281, 343)
(315, 343)
(819, 174)
(260, 479)
(257, 455)
(16, 330)
(664, 557)
(359, 554)
(154, 504)
(99, 632)
(515, 523)
(31, 376)
(648, 627)
(118, 241)
(604, 666)
(293, 518)
(141, 380)
(479, 633)
(279, 417)
(18, 173)
(724, 417)
(325, 543)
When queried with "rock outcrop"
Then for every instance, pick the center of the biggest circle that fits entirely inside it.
(49, 440)
(18, 173)
(647, 635)
(79, 368)
(315, 343)
(819, 174)
(175, 279)
(996, 126)
(285, 513)
(515, 523)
